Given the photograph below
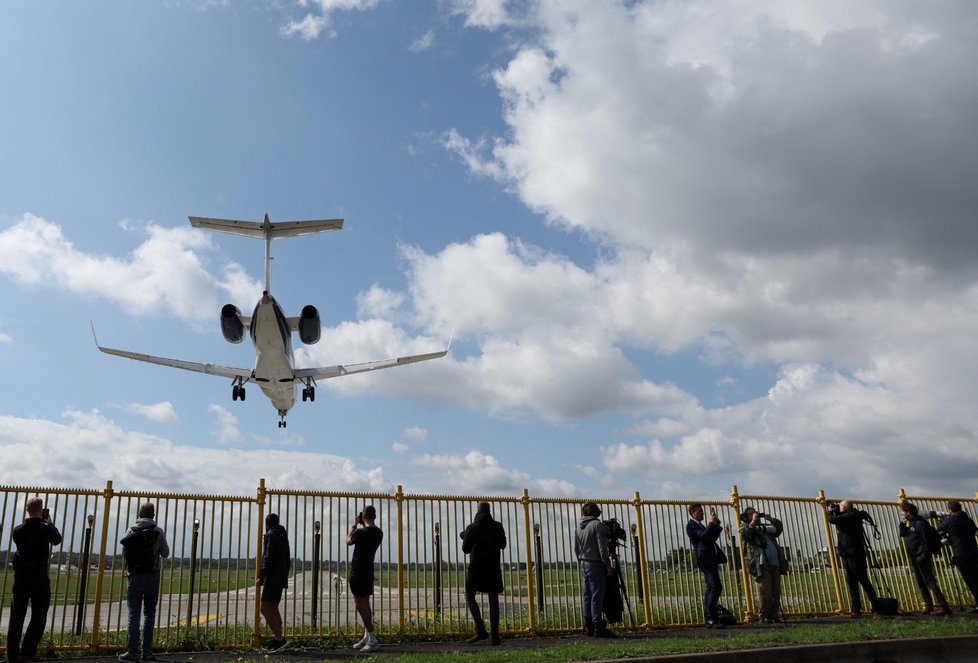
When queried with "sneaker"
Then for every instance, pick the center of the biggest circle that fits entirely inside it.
(361, 642)
(855, 614)
(373, 644)
(942, 612)
(277, 646)
(496, 640)
(125, 657)
(148, 656)
(477, 637)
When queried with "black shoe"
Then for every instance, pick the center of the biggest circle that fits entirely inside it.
(148, 656)
(276, 646)
(601, 630)
(588, 628)
(712, 623)
(477, 637)
(496, 640)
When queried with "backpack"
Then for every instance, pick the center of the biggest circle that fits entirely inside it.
(140, 549)
(725, 617)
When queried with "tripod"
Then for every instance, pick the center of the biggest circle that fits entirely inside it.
(617, 582)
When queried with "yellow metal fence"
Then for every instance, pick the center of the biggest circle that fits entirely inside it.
(208, 594)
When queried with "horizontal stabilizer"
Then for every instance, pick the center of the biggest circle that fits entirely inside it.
(274, 230)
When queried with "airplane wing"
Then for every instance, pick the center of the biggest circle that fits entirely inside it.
(326, 372)
(211, 369)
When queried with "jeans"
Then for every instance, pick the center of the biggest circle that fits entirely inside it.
(713, 589)
(593, 574)
(923, 573)
(144, 592)
(37, 592)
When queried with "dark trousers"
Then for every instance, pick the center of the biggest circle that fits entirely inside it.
(142, 597)
(923, 573)
(473, 604)
(857, 573)
(37, 593)
(711, 576)
(769, 584)
(969, 573)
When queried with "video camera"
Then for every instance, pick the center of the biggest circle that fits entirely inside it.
(617, 536)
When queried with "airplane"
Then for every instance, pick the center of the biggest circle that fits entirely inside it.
(270, 329)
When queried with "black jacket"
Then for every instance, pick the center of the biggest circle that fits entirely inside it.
(960, 528)
(482, 541)
(919, 534)
(33, 538)
(276, 559)
(704, 540)
(849, 525)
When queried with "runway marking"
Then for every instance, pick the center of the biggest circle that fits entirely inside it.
(197, 619)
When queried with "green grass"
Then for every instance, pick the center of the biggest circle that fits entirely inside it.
(581, 650)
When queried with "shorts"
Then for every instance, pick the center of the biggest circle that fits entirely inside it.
(362, 585)
(271, 593)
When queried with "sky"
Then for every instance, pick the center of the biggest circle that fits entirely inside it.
(677, 246)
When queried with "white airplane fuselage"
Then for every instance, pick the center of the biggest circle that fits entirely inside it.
(275, 361)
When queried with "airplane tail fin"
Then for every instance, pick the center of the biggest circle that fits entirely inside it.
(267, 231)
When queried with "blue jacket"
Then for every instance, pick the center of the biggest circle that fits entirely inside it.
(704, 540)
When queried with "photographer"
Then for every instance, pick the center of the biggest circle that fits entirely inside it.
(960, 529)
(851, 548)
(365, 537)
(273, 578)
(708, 557)
(33, 538)
(922, 542)
(483, 541)
(591, 548)
(764, 559)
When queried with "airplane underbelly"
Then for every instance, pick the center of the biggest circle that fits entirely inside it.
(275, 377)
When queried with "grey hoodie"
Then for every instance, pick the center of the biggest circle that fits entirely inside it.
(591, 541)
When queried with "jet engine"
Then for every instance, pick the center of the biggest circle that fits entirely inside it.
(309, 326)
(231, 325)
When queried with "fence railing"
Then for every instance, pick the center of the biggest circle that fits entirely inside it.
(208, 589)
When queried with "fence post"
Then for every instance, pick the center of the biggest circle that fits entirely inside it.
(100, 576)
(643, 562)
(83, 580)
(633, 530)
(260, 499)
(528, 547)
(193, 571)
(437, 570)
(399, 498)
(833, 558)
(745, 577)
(538, 563)
(316, 566)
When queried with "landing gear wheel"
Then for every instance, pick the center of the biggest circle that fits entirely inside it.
(241, 392)
(305, 394)
(235, 392)
(312, 394)
(281, 424)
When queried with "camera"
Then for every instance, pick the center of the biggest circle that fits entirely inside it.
(616, 533)
(46, 515)
(832, 506)
(359, 518)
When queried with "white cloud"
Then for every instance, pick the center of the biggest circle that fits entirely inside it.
(423, 43)
(489, 14)
(162, 412)
(399, 448)
(313, 24)
(228, 431)
(164, 274)
(415, 434)
(476, 473)
(90, 448)
(6, 339)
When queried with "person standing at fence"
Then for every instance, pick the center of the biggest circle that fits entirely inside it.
(143, 546)
(764, 559)
(273, 578)
(708, 558)
(922, 542)
(33, 539)
(591, 548)
(960, 529)
(482, 541)
(851, 548)
(365, 537)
